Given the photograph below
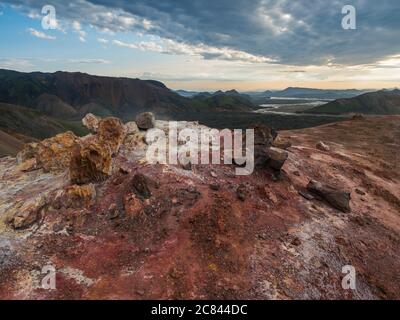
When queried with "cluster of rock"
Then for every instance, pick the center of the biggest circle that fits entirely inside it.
(89, 160)
(266, 152)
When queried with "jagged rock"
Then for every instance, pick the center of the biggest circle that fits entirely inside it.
(264, 135)
(90, 162)
(281, 143)
(263, 139)
(338, 199)
(276, 158)
(28, 214)
(145, 120)
(76, 196)
(131, 128)
(111, 132)
(91, 122)
(322, 146)
(53, 154)
(142, 185)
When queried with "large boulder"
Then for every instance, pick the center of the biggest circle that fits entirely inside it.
(91, 122)
(338, 199)
(145, 120)
(263, 138)
(111, 132)
(276, 158)
(53, 154)
(90, 162)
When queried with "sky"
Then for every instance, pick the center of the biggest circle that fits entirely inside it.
(208, 44)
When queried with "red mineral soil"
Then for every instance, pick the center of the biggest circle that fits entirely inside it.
(167, 232)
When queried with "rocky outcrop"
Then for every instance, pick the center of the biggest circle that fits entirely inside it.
(337, 198)
(53, 154)
(90, 162)
(145, 120)
(276, 158)
(263, 138)
(111, 132)
(207, 233)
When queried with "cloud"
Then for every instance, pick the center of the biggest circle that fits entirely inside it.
(78, 29)
(291, 32)
(14, 63)
(102, 40)
(169, 46)
(41, 35)
(89, 61)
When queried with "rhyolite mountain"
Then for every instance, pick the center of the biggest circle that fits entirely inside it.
(380, 103)
(71, 95)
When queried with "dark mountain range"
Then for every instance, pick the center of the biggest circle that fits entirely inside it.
(71, 95)
(380, 103)
(227, 101)
(186, 94)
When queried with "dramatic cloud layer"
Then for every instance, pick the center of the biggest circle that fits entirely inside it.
(307, 32)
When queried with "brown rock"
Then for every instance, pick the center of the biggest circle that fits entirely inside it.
(338, 199)
(142, 185)
(145, 120)
(78, 196)
(276, 158)
(53, 154)
(322, 146)
(91, 122)
(111, 132)
(90, 162)
(281, 143)
(263, 139)
(28, 214)
(263, 135)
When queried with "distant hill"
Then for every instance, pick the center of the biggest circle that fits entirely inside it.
(379, 103)
(9, 145)
(303, 93)
(186, 94)
(31, 123)
(71, 95)
(227, 101)
(309, 93)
